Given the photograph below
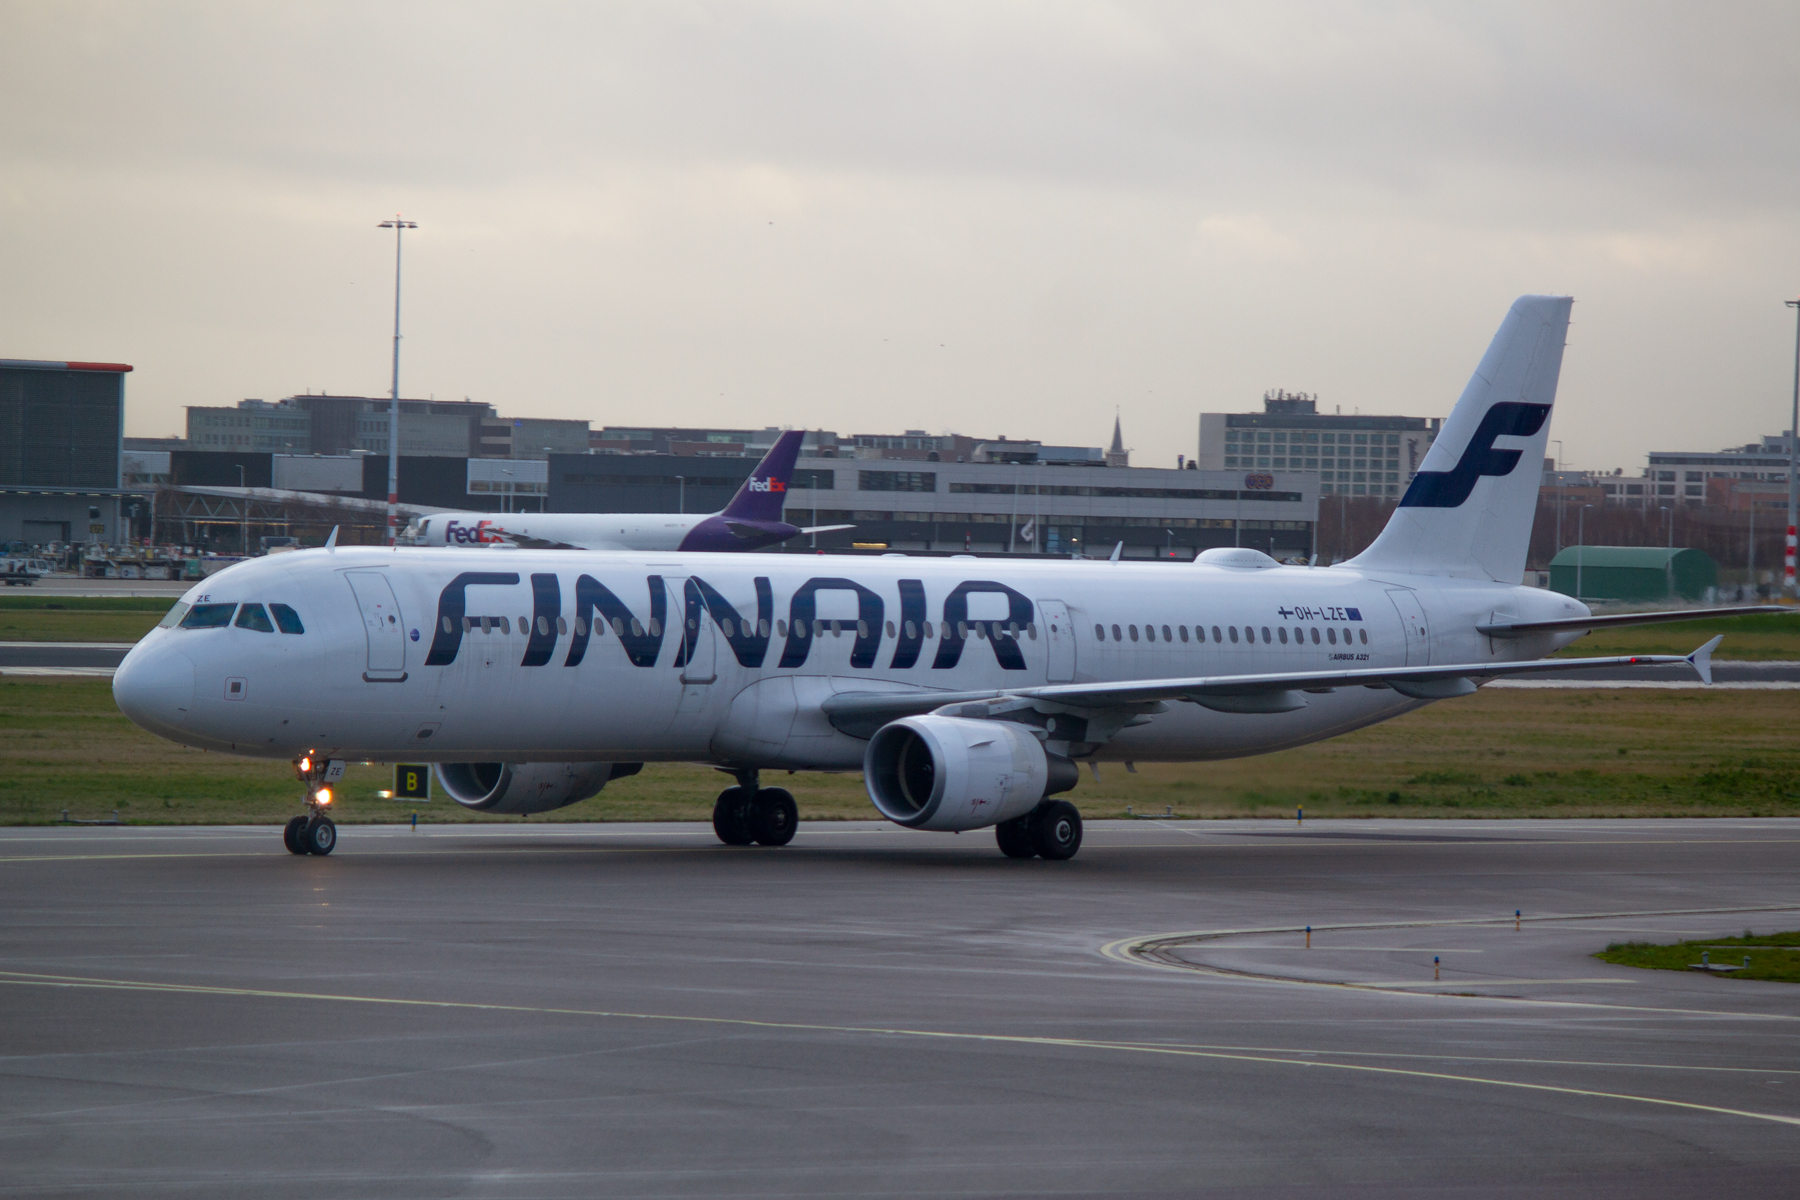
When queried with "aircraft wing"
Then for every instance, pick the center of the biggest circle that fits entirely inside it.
(1513, 629)
(1275, 692)
(527, 542)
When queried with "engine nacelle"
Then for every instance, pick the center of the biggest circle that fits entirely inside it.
(949, 773)
(518, 788)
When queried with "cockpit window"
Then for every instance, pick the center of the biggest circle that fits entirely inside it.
(208, 616)
(173, 617)
(287, 619)
(252, 616)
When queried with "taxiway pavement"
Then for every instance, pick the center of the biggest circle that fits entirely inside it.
(541, 1010)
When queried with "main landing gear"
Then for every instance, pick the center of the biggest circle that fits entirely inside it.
(1052, 831)
(748, 813)
(314, 833)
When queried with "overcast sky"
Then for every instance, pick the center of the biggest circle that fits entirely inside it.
(986, 218)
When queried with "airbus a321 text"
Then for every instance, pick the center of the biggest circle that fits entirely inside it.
(966, 690)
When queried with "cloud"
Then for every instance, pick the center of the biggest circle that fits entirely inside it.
(1003, 217)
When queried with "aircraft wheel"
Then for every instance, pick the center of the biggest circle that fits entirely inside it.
(1056, 830)
(1014, 837)
(731, 817)
(290, 836)
(320, 836)
(774, 818)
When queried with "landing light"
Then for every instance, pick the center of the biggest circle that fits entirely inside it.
(305, 765)
(323, 796)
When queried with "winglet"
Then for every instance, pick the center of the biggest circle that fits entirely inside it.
(1701, 659)
(1117, 551)
(331, 542)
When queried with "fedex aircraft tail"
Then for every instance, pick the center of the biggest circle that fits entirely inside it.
(764, 493)
(1469, 510)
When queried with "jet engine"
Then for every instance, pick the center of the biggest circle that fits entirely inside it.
(518, 788)
(953, 773)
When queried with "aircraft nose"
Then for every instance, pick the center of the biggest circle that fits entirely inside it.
(154, 686)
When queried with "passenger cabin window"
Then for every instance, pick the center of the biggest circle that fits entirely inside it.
(1362, 635)
(252, 616)
(1216, 636)
(1132, 630)
(1117, 636)
(1232, 630)
(1184, 632)
(173, 617)
(1331, 635)
(208, 616)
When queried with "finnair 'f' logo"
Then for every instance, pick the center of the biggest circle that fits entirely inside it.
(1448, 489)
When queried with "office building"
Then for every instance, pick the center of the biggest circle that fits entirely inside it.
(1352, 455)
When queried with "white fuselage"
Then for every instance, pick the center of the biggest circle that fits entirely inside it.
(387, 671)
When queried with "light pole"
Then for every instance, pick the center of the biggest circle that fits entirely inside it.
(243, 514)
(1559, 495)
(1580, 545)
(1013, 530)
(1752, 562)
(1793, 589)
(397, 225)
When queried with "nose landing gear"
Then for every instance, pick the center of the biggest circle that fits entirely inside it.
(314, 833)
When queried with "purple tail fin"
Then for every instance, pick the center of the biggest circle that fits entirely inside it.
(763, 494)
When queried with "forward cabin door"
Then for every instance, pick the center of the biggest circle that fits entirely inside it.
(698, 636)
(1059, 640)
(1412, 620)
(382, 624)
(696, 653)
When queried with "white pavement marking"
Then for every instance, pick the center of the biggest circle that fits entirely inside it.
(28, 979)
(1666, 685)
(60, 672)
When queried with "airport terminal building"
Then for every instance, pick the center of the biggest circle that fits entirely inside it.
(61, 430)
(975, 507)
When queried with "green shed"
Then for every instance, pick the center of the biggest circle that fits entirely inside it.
(1633, 572)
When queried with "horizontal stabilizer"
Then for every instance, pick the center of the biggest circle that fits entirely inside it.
(825, 528)
(1513, 629)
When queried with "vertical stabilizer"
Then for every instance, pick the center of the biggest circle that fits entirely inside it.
(1469, 510)
(763, 494)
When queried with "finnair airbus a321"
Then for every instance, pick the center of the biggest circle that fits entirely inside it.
(966, 690)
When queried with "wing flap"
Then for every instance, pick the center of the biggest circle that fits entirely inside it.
(1275, 692)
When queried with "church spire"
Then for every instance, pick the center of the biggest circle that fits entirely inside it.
(1118, 456)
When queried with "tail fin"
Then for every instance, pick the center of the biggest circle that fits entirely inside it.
(1469, 509)
(763, 494)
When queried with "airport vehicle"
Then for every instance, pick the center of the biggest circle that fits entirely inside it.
(23, 572)
(966, 690)
(750, 522)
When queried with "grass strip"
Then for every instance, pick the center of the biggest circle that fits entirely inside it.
(1499, 753)
(1771, 956)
